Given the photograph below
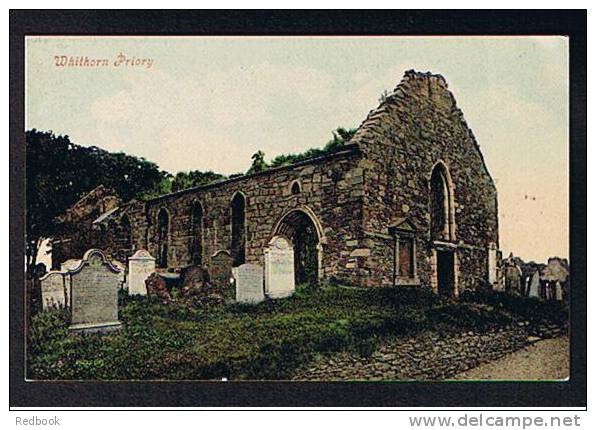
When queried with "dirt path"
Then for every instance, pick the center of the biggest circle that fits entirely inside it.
(544, 360)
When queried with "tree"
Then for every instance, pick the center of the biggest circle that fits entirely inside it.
(340, 137)
(59, 172)
(258, 162)
(194, 178)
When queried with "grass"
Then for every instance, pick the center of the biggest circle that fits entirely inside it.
(264, 341)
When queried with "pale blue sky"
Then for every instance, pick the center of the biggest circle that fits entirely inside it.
(210, 103)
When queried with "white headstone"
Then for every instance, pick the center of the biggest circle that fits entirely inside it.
(249, 283)
(53, 290)
(140, 266)
(279, 268)
(558, 291)
(492, 264)
(535, 285)
(94, 289)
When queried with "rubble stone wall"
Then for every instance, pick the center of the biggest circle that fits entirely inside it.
(414, 128)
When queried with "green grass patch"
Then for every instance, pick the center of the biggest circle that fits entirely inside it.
(264, 341)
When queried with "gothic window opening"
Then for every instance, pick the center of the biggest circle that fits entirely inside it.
(196, 231)
(295, 188)
(163, 231)
(441, 205)
(238, 229)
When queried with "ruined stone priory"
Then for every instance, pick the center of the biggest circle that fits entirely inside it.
(408, 200)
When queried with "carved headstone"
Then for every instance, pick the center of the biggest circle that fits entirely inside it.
(279, 268)
(220, 272)
(94, 289)
(140, 266)
(53, 290)
(249, 283)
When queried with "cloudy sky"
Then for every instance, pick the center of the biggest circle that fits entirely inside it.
(210, 103)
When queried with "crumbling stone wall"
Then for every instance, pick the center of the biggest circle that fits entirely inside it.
(331, 192)
(355, 198)
(413, 129)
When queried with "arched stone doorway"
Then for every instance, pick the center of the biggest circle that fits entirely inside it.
(304, 232)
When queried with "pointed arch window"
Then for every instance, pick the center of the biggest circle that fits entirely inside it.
(196, 231)
(238, 207)
(163, 232)
(442, 213)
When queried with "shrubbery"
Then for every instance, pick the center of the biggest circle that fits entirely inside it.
(264, 341)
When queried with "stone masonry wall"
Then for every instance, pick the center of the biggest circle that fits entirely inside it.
(414, 128)
(331, 191)
(425, 357)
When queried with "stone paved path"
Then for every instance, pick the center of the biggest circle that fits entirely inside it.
(544, 360)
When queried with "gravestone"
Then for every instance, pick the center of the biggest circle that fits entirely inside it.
(122, 275)
(94, 293)
(249, 283)
(220, 273)
(279, 268)
(492, 264)
(53, 290)
(140, 266)
(69, 265)
(535, 285)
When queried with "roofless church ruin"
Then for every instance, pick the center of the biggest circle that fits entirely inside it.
(407, 201)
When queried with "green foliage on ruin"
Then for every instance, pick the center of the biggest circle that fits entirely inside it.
(341, 137)
(271, 340)
(194, 178)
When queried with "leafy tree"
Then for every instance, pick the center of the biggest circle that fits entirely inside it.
(340, 137)
(59, 172)
(194, 178)
(258, 162)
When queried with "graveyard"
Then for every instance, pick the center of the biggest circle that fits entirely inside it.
(278, 338)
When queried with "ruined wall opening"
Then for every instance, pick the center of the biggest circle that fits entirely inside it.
(196, 231)
(163, 232)
(442, 225)
(303, 233)
(238, 244)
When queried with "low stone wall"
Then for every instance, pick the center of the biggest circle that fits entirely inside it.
(424, 357)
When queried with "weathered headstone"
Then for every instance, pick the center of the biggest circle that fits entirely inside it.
(249, 283)
(279, 268)
(69, 265)
(53, 290)
(535, 285)
(157, 289)
(140, 266)
(94, 290)
(220, 271)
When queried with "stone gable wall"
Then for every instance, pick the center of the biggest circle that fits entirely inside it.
(413, 129)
